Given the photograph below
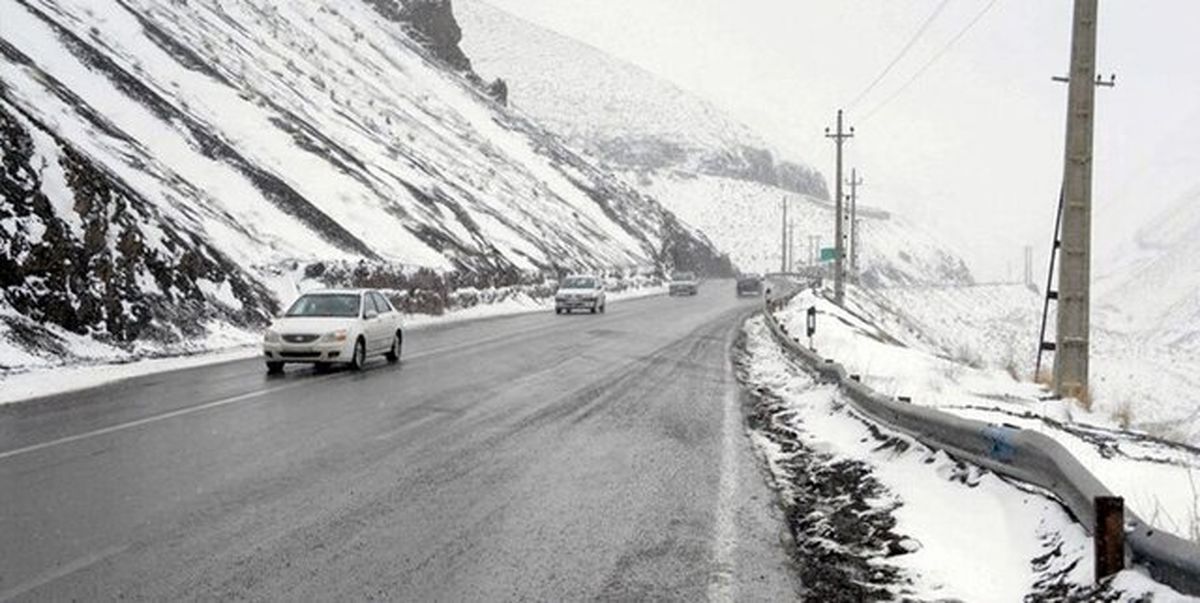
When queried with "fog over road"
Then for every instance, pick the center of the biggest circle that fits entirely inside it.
(528, 457)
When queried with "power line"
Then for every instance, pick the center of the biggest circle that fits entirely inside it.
(937, 56)
(903, 51)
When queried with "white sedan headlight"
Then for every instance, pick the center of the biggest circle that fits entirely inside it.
(270, 336)
(338, 335)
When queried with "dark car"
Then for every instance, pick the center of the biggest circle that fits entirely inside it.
(749, 285)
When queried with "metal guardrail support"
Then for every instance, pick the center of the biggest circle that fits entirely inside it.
(1023, 455)
(1109, 535)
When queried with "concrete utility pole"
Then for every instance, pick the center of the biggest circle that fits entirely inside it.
(1028, 278)
(1074, 269)
(791, 249)
(854, 183)
(783, 241)
(839, 236)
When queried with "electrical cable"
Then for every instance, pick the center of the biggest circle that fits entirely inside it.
(938, 55)
(903, 51)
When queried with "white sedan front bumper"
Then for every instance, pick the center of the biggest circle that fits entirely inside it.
(316, 351)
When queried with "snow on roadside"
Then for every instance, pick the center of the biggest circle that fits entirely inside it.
(1137, 379)
(224, 344)
(956, 532)
(1160, 480)
(913, 524)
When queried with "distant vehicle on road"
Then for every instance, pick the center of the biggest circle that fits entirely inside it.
(580, 292)
(749, 285)
(334, 327)
(683, 283)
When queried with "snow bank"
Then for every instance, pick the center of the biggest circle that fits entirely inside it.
(1160, 480)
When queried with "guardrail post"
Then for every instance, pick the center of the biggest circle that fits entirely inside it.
(1109, 535)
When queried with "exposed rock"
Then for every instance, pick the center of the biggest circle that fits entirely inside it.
(432, 24)
(108, 264)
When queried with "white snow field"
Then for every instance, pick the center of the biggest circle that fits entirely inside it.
(1159, 479)
(744, 219)
(1139, 379)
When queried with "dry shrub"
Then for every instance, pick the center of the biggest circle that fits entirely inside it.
(1123, 415)
(1044, 377)
(1084, 397)
(965, 355)
(1010, 367)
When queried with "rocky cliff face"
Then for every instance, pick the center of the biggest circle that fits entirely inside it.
(84, 253)
(431, 23)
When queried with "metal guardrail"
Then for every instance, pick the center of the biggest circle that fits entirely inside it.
(1024, 455)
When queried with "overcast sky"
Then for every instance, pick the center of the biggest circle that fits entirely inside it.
(975, 144)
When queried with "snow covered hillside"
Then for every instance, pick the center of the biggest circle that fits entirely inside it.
(1150, 286)
(165, 162)
(1018, 540)
(743, 219)
(711, 171)
(1136, 382)
(1158, 478)
(613, 110)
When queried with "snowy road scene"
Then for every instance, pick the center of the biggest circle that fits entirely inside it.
(571, 300)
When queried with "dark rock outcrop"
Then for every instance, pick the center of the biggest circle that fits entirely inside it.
(104, 263)
(432, 24)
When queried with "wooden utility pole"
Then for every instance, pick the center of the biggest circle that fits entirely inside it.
(854, 182)
(1074, 269)
(839, 236)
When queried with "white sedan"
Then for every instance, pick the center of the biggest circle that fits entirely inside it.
(334, 327)
(580, 292)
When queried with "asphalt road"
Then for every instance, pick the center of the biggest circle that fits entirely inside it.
(534, 457)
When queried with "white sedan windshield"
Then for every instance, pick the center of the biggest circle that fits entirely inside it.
(339, 305)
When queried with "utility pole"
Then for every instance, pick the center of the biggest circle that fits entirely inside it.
(839, 237)
(1028, 276)
(1074, 269)
(854, 182)
(783, 237)
(791, 246)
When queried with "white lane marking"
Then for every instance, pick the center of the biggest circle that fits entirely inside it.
(148, 420)
(721, 586)
(61, 571)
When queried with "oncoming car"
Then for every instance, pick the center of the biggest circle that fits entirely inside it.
(334, 327)
(580, 292)
(683, 283)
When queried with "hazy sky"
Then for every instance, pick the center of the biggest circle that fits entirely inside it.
(975, 144)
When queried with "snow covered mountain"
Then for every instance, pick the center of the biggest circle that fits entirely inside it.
(1151, 286)
(164, 162)
(745, 220)
(712, 172)
(616, 111)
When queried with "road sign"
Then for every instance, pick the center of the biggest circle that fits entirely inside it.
(828, 254)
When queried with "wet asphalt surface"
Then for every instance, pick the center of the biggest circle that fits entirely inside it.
(534, 457)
